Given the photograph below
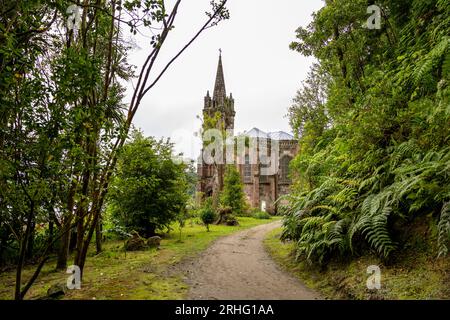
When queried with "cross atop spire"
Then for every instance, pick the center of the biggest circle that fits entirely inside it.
(220, 92)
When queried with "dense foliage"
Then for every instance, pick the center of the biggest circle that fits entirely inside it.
(149, 190)
(64, 119)
(373, 121)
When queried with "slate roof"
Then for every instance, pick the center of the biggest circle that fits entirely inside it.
(278, 135)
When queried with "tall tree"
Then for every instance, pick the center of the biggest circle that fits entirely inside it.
(233, 195)
(63, 120)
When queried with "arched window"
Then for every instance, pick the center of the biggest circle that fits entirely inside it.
(247, 167)
(284, 168)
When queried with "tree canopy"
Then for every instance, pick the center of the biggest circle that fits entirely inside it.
(149, 190)
(64, 118)
(373, 122)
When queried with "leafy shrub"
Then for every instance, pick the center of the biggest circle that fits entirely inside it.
(208, 216)
(149, 190)
(261, 215)
(115, 231)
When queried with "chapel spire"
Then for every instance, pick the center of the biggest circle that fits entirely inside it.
(219, 102)
(220, 92)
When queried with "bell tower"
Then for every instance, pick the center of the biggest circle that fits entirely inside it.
(211, 176)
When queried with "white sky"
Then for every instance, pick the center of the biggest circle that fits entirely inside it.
(260, 70)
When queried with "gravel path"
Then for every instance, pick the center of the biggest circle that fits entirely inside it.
(237, 267)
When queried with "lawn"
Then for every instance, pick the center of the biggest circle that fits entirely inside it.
(116, 274)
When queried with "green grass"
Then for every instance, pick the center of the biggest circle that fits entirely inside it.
(414, 275)
(115, 274)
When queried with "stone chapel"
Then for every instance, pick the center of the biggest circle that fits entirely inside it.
(261, 190)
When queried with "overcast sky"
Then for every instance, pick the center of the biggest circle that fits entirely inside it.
(260, 70)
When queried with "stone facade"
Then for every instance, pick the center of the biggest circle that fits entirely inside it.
(261, 188)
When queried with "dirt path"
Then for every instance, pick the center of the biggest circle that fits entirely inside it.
(238, 267)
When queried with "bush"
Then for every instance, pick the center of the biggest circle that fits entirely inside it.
(208, 217)
(261, 215)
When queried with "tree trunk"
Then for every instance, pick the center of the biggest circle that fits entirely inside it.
(30, 246)
(98, 236)
(22, 253)
(73, 241)
(50, 231)
(63, 251)
(81, 253)
(3, 244)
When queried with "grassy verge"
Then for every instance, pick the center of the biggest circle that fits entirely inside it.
(415, 275)
(115, 274)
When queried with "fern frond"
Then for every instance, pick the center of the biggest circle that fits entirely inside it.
(372, 223)
(345, 197)
(368, 183)
(444, 230)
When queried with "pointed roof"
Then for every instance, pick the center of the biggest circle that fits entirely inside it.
(278, 135)
(256, 133)
(220, 92)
